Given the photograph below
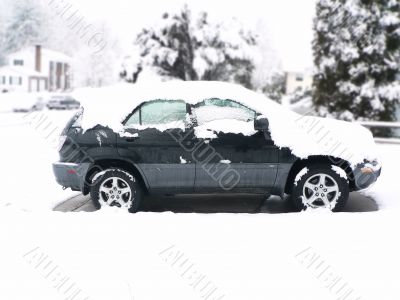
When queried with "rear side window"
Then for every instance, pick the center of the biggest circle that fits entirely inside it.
(222, 109)
(158, 112)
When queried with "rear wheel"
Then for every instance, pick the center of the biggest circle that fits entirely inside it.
(116, 188)
(319, 186)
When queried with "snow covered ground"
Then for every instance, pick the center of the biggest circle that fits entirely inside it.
(113, 255)
(29, 147)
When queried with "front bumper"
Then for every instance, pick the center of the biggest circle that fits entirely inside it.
(365, 175)
(70, 175)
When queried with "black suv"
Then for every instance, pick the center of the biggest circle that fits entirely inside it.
(173, 147)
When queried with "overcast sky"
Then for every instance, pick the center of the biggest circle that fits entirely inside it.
(288, 22)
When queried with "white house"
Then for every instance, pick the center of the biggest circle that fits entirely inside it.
(35, 69)
(20, 79)
(298, 81)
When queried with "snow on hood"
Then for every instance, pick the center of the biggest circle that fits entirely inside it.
(304, 135)
(320, 136)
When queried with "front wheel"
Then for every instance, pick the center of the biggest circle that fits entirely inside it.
(320, 186)
(118, 188)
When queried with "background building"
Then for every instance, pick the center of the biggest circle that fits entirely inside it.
(35, 69)
(297, 81)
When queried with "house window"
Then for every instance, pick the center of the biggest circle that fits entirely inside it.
(20, 80)
(10, 80)
(18, 62)
(3, 79)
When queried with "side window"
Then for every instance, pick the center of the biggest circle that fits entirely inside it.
(134, 119)
(222, 109)
(162, 112)
(158, 112)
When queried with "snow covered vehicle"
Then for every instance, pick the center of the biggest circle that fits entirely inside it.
(209, 137)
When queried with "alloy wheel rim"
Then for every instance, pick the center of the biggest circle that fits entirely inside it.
(321, 191)
(115, 191)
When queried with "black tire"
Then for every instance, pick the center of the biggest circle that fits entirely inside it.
(101, 179)
(337, 200)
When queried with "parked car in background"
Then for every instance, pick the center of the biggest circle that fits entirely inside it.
(27, 104)
(21, 109)
(62, 102)
(210, 138)
(39, 105)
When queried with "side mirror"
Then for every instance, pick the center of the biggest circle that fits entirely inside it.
(261, 124)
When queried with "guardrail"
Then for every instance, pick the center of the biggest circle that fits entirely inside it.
(373, 124)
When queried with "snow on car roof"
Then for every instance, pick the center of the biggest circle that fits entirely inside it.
(304, 135)
(116, 102)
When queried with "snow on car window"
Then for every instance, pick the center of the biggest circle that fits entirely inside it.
(160, 127)
(218, 109)
(209, 130)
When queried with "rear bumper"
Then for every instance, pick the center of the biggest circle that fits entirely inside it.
(70, 175)
(365, 175)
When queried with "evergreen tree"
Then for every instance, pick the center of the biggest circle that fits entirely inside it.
(275, 87)
(181, 47)
(357, 52)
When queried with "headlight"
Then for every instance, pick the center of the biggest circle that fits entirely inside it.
(370, 166)
(367, 170)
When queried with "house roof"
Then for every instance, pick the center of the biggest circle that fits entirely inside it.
(55, 55)
(19, 71)
(48, 53)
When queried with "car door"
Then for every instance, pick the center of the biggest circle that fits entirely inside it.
(231, 155)
(149, 141)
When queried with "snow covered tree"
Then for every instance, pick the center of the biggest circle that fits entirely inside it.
(2, 43)
(275, 85)
(268, 76)
(357, 54)
(97, 68)
(187, 48)
(26, 26)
